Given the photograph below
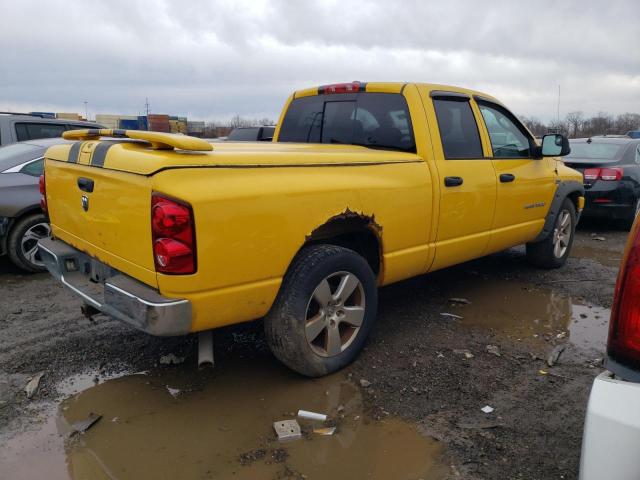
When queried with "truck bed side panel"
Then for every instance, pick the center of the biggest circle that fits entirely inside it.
(251, 222)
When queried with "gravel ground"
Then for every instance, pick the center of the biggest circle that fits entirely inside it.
(415, 360)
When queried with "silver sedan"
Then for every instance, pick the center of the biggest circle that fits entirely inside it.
(22, 222)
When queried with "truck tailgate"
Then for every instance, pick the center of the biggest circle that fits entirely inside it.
(111, 222)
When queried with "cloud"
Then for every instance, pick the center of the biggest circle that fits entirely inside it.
(208, 59)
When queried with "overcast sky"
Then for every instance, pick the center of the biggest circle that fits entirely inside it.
(212, 59)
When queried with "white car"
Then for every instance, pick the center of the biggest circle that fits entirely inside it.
(611, 439)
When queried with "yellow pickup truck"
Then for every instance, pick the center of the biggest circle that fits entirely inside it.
(364, 184)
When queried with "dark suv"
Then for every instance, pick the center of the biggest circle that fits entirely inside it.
(611, 169)
(23, 127)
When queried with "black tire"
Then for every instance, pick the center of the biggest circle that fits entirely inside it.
(36, 226)
(544, 254)
(286, 325)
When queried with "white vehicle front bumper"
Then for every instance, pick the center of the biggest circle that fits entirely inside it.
(611, 438)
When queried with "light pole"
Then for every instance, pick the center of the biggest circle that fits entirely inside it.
(86, 111)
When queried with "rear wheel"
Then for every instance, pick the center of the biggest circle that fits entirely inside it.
(22, 243)
(325, 309)
(553, 251)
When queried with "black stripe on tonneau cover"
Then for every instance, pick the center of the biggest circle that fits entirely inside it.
(74, 152)
(100, 153)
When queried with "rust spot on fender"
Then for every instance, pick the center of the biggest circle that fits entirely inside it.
(344, 222)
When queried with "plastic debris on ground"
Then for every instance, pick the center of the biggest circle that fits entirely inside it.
(494, 350)
(32, 386)
(325, 431)
(171, 359)
(487, 409)
(84, 425)
(554, 356)
(463, 351)
(461, 301)
(321, 417)
(451, 315)
(174, 392)
(287, 429)
(365, 383)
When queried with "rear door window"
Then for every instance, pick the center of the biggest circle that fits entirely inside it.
(458, 128)
(370, 119)
(33, 131)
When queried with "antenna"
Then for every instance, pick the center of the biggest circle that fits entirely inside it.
(558, 105)
(146, 105)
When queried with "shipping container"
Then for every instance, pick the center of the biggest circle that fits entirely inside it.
(108, 120)
(195, 128)
(158, 123)
(142, 123)
(67, 116)
(128, 123)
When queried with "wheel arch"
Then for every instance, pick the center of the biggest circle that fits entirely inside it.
(568, 189)
(356, 231)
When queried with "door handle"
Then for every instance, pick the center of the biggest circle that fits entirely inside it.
(507, 177)
(85, 184)
(452, 181)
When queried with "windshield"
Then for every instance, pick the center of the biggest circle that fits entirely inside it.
(378, 120)
(584, 151)
(16, 153)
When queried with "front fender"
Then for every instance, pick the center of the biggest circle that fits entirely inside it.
(564, 189)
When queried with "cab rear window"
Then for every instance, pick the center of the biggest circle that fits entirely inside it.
(377, 120)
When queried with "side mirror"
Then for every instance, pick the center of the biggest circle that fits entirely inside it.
(555, 145)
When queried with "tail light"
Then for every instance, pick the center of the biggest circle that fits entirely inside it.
(43, 193)
(173, 233)
(607, 174)
(353, 87)
(611, 174)
(591, 173)
(624, 327)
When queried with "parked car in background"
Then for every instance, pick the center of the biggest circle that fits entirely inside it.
(633, 134)
(23, 127)
(22, 222)
(611, 169)
(612, 425)
(252, 134)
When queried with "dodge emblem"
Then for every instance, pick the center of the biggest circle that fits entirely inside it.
(85, 203)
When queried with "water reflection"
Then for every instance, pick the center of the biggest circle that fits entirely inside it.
(523, 311)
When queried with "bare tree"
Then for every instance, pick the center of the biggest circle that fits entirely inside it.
(600, 124)
(626, 122)
(575, 121)
(558, 127)
(534, 125)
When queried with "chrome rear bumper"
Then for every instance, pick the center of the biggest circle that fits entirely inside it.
(114, 293)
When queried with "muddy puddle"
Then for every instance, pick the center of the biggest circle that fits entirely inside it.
(528, 313)
(180, 423)
(604, 257)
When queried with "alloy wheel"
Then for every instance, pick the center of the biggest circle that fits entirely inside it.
(29, 243)
(334, 314)
(562, 234)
